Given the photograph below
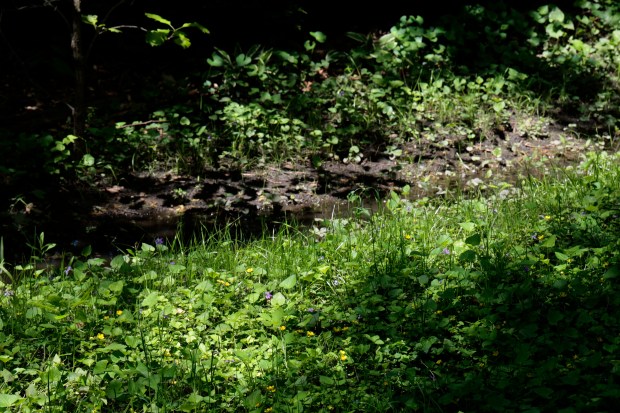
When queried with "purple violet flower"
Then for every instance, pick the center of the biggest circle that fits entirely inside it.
(268, 295)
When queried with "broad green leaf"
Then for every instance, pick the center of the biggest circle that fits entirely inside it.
(116, 286)
(319, 36)
(150, 300)
(132, 341)
(253, 399)
(157, 37)
(216, 60)
(8, 400)
(90, 19)
(100, 367)
(612, 272)
(326, 380)
(158, 19)
(88, 160)
(467, 226)
(473, 240)
(556, 15)
(117, 262)
(147, 247)
(243, 60)
(277, 315)
(289, 283)
(560, 256)
(278, 299)
(87, 251)
(375, 339)
(549, 242)
(182, 40)
(196, 26)
(468, 256)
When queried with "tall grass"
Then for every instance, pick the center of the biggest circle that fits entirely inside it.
(505, 302)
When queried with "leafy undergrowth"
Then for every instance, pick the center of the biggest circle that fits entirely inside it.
(502, 303)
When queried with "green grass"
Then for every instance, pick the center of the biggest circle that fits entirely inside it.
(506, 302)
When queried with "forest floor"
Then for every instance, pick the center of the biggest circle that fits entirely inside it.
(143, 206)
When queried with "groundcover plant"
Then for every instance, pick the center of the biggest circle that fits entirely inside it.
(506, 301)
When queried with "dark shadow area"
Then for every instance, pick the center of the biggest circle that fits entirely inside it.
(129, 80)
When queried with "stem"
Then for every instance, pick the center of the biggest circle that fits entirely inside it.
(79, 111)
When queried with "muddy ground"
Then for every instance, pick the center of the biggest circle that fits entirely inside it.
(142, 207)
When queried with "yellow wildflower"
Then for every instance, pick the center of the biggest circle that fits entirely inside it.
(250, 270)
(271, 389)
(438, 361)
(310, 334)
(282, 328)
(407, 236)
(343, 355)
(119, 312)
(100, 336)
(268, 409)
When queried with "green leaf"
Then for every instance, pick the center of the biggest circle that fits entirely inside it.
(157, 37)
(289, 283)
(87, 251)
(216, 60)
(100, 367)
(197, 26)
(116, 286)
(253, 399)
(158, 19)
(88, 160)
(473, 240)
(612, 272)
(549, 242)
(467, 226)
(90, 19)
(132, 341)
(556, 15)
(328, 381)
(319, 36)
(8, 400)
(468, 256)
(278, 299)
(150, 300)
(375, 339)
(147, 247)
(117, 262)
(243, 60)
(182, 40)
(560, 256)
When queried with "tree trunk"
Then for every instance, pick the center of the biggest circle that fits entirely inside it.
(79, 109)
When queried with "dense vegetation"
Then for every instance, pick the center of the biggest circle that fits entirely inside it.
(502, 300)
(503, 303)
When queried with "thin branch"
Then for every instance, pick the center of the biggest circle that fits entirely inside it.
(141, 123)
